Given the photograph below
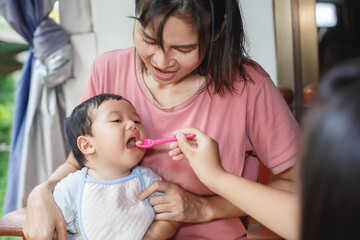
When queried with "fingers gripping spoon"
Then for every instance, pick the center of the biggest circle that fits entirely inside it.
(148, 143)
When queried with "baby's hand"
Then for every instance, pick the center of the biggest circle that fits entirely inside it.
(201, 151)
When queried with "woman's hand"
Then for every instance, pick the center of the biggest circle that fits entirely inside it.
(175, 204)
(43, 217)
(202, 153)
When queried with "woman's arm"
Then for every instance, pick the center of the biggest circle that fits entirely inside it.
(272, 206)
(177, 204)
(276, 209)
(180, 205)
(43, 216)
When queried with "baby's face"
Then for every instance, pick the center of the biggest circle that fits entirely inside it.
(115, 129)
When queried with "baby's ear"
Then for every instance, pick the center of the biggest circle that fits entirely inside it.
(85, 145)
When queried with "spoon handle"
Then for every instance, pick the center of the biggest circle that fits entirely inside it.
(172, 139)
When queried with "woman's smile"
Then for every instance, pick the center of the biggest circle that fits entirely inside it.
(163, 75)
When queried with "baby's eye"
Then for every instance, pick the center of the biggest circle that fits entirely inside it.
(117, 120)
(137, 122)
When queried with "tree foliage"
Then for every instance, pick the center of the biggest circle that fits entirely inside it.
(8, 56)
(8, 64)
(7, 93)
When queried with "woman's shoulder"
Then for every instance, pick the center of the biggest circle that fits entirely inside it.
(255, 71)
(256, 75)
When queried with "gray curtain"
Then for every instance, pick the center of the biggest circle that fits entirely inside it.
(44, 147)
(37, 144)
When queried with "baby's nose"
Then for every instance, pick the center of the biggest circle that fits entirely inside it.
(131, 125)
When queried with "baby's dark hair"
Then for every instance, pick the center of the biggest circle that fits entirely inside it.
(79, 122)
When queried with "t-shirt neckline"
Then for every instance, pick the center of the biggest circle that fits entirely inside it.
(150, 97)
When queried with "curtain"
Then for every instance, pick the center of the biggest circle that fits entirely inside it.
(37, 142)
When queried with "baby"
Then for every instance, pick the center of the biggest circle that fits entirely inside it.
(100, 201)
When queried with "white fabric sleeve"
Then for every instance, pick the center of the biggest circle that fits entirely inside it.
(65, 196)
(149, 177)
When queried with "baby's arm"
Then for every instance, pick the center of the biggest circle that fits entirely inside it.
(65, 195)
(161, 230)
(158, 230)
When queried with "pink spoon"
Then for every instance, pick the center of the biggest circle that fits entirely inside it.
(148, 143)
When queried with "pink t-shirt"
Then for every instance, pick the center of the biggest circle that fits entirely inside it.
(251, 125)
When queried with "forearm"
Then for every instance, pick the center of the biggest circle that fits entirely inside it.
(43, 215)
(270, 205)
(161, 230)
(216, 207)
(274, 208)
(282, 184)
(62, 171)
(285, 181)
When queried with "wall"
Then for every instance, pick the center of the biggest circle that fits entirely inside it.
(260, 30)
(97, 26)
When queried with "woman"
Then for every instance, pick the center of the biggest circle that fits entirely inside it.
(189, 68)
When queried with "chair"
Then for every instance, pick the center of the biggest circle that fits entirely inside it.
(257, 231)
(12, 223)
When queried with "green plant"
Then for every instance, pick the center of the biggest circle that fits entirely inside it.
(7, 89)
(3, 175)
(8, 64)
(10, 238)
(8, 56)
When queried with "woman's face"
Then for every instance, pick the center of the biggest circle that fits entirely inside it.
(180, 56)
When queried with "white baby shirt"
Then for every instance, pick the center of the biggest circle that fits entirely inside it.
(96, 209)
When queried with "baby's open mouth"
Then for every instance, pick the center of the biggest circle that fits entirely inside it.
(131, 143)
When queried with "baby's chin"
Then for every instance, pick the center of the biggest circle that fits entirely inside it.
(137, 157)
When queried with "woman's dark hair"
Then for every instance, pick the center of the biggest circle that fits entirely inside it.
(224, 48)
(79, 123)
(330, 170)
